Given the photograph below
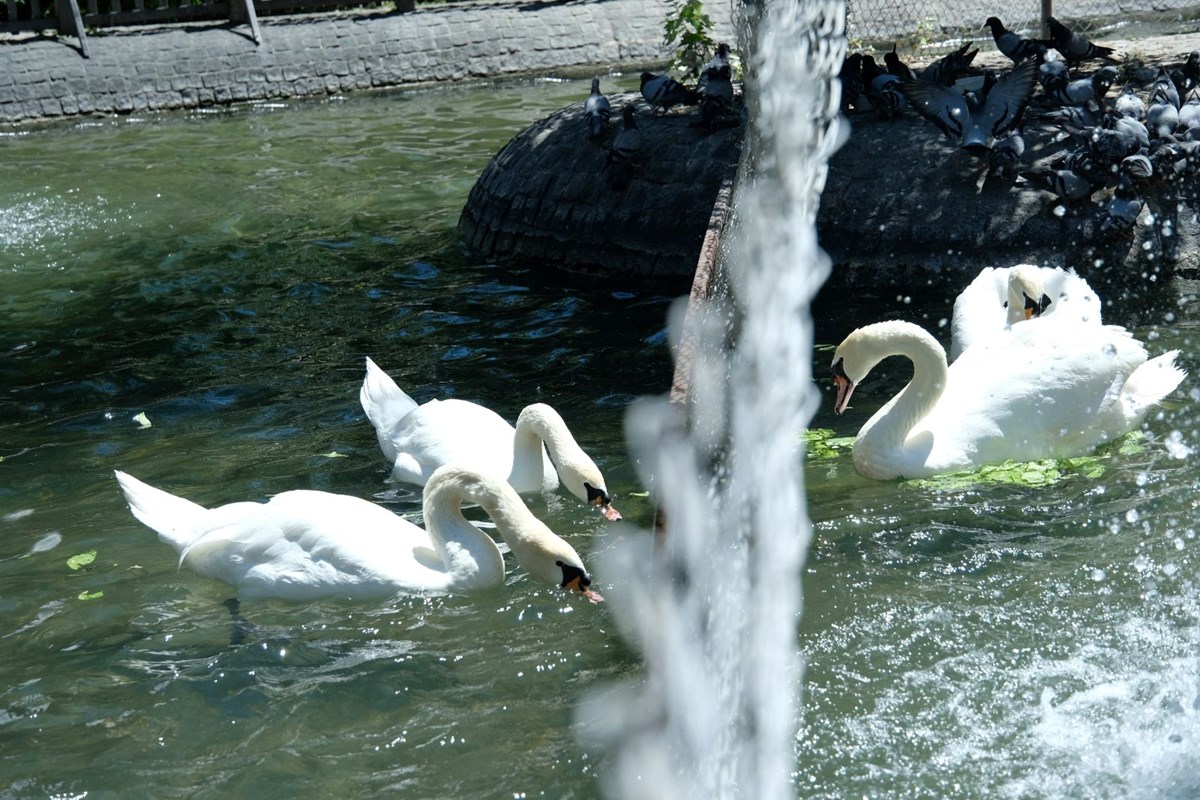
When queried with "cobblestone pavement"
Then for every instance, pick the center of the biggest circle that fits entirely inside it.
(185, 66)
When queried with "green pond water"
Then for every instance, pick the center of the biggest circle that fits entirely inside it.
(226, 273)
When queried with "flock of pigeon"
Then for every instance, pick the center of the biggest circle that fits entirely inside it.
(713, 94)
(1116, 145)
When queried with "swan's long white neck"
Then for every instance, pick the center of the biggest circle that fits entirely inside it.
(471, 558)
(883, 438)
(468, 553)
(540, 424)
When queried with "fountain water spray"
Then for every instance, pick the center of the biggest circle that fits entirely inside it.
(713, 603)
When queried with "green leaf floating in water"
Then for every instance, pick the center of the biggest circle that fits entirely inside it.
(91, 595)
(1038, 473)
(333, 454)
(81, 560)
(821, 443)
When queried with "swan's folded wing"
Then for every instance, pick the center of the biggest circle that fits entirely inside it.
(443, 432)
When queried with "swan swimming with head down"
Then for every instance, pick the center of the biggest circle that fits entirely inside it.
(1000, 297)
(1045, 388)
(417, 439)
(304, 544)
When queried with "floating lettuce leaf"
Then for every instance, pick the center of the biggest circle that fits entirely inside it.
(81, 560)
(333, 454)
(91, 595)
(142, 420)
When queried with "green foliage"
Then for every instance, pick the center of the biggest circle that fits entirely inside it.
(688, 31)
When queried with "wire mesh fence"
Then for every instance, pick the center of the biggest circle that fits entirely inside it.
(934, 27)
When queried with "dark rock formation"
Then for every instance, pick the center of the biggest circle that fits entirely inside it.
(547, 198)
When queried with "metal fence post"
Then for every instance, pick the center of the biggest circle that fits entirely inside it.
(71, 21)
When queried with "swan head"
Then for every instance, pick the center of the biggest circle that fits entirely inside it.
(867, 346)
(575, 468)
(550, 559)
(1027, 296)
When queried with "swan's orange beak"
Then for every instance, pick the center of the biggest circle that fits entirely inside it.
(576, 585)
(845, 388)
(610, 513)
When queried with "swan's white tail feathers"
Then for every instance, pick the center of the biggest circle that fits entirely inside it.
(1150, 383)
(165, 513)
(384, 403)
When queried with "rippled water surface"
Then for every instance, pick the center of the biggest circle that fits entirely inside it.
(226, 273)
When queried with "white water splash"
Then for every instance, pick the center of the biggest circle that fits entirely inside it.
(714, 606)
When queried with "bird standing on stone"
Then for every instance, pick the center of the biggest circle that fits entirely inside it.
(973, 119)
(1013, 44)
(1074, 47)
(1065, 183)
(663, 91)
(596, 110)
(625, 149)
(1122, 210)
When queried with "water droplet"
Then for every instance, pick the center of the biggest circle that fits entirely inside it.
(1132, 515)
(1060, 211)
(1098, 575)
(1109, 350)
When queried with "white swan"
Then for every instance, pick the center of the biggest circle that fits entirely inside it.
(1002, 296)
(417, 439)
(1042, 389)
(306, 544)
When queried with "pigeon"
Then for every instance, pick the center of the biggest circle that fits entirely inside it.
(1013, 45)
(624, 151)
(950, 67)
(1075, 117)
(1164, 90)
(719, 59)
(851, 78)
(1004, 159)
(1053, 75)
(1129, 104)
(897, 67)
(1065, 183)
(663, 91)
(975, 118)
(1095, 87)
(1187, 75)
(1137, 167)
(1162, 119)
(883, 90)
(717, 99)
(1189, 111)
(1122, 210)
(596, 110)
(1073, 47)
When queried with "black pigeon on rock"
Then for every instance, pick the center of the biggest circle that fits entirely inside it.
(974, 119)
(1123, 209)
(1074, 47)
(663, 91)
(596, 111)
(1067, 184)
(1013, 44)
(1187, 75)
(624, 151)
